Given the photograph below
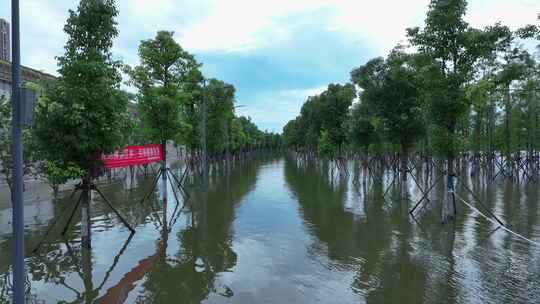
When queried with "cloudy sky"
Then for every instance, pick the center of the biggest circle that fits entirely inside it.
(275, 52)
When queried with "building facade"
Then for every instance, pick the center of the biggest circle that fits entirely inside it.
(5, 41)
(27, 74)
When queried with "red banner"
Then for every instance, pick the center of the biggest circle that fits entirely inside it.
(132, 156)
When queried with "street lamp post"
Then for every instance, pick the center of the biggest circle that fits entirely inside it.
(17, 155)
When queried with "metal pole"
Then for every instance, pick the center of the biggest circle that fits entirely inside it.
(17, 155)
(164, 170)
(204, 135)
(86, 219)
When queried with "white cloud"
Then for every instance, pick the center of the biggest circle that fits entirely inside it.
(247, 25)
(243, 26)
(240, 25)
(254, 27)
(514, 13)
(42, 35)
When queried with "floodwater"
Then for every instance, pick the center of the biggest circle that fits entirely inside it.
(276, 231)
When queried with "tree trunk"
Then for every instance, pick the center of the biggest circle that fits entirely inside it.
(86, 260)
(86, 219)
(507, 126)
(164, 169)
(55, 190)
(404, 162)
(449, 203)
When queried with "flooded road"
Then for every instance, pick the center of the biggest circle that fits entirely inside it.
(274, 231)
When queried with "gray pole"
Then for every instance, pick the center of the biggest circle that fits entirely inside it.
(164, 170)
(17, 149)
(204, 135)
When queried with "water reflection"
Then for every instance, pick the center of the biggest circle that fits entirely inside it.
(205, 244)
(191, 245)
(398, 260)
(279, 231)
(376, 246)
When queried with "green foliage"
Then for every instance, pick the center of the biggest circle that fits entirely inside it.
(253, 136)
(161, 79)
(327, 149)
(453, 48)
(84, 108)
(171, 93)
(335, 103)
(220, 107)
(464, 89)
(391, 91)
(291, 134)
(6, 161)
(322, 112)
(361, 126)
(480, 96)
(56, 174)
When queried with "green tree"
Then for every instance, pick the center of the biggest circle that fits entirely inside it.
(6, 166)
(311, 123)
(514, 66)
(327, 149)
(390, 88)
(361, 127)
(454, 49)
(291, 134)
(220, 105)
(253, 135)
(57, 175)
(328, 112)
(335, 103)
(163, 76)
(480, 96)
(85, 104)
(84, 112)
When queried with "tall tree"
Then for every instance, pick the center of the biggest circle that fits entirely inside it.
(291, 134)
(361, 127)
(84, 108)
(85, 104)
(220, 100)
(6, 164)
(390, 88)
(335, 103)
(162, 77)
(454, 48)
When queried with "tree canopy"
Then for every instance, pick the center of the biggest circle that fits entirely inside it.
(84, 106)
(163, 78)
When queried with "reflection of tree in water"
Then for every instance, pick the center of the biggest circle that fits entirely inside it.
(377, 247)
(511, 269)
(205, 245)
(59, 257)
(50, 265)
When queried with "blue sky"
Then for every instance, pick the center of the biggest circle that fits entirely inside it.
(276, 53)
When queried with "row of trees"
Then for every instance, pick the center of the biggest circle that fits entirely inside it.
(453, 89)
(172, 94)
(84, 112)
(464, 89)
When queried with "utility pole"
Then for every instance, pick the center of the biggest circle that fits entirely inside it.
(204, 135)
(17, 155)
